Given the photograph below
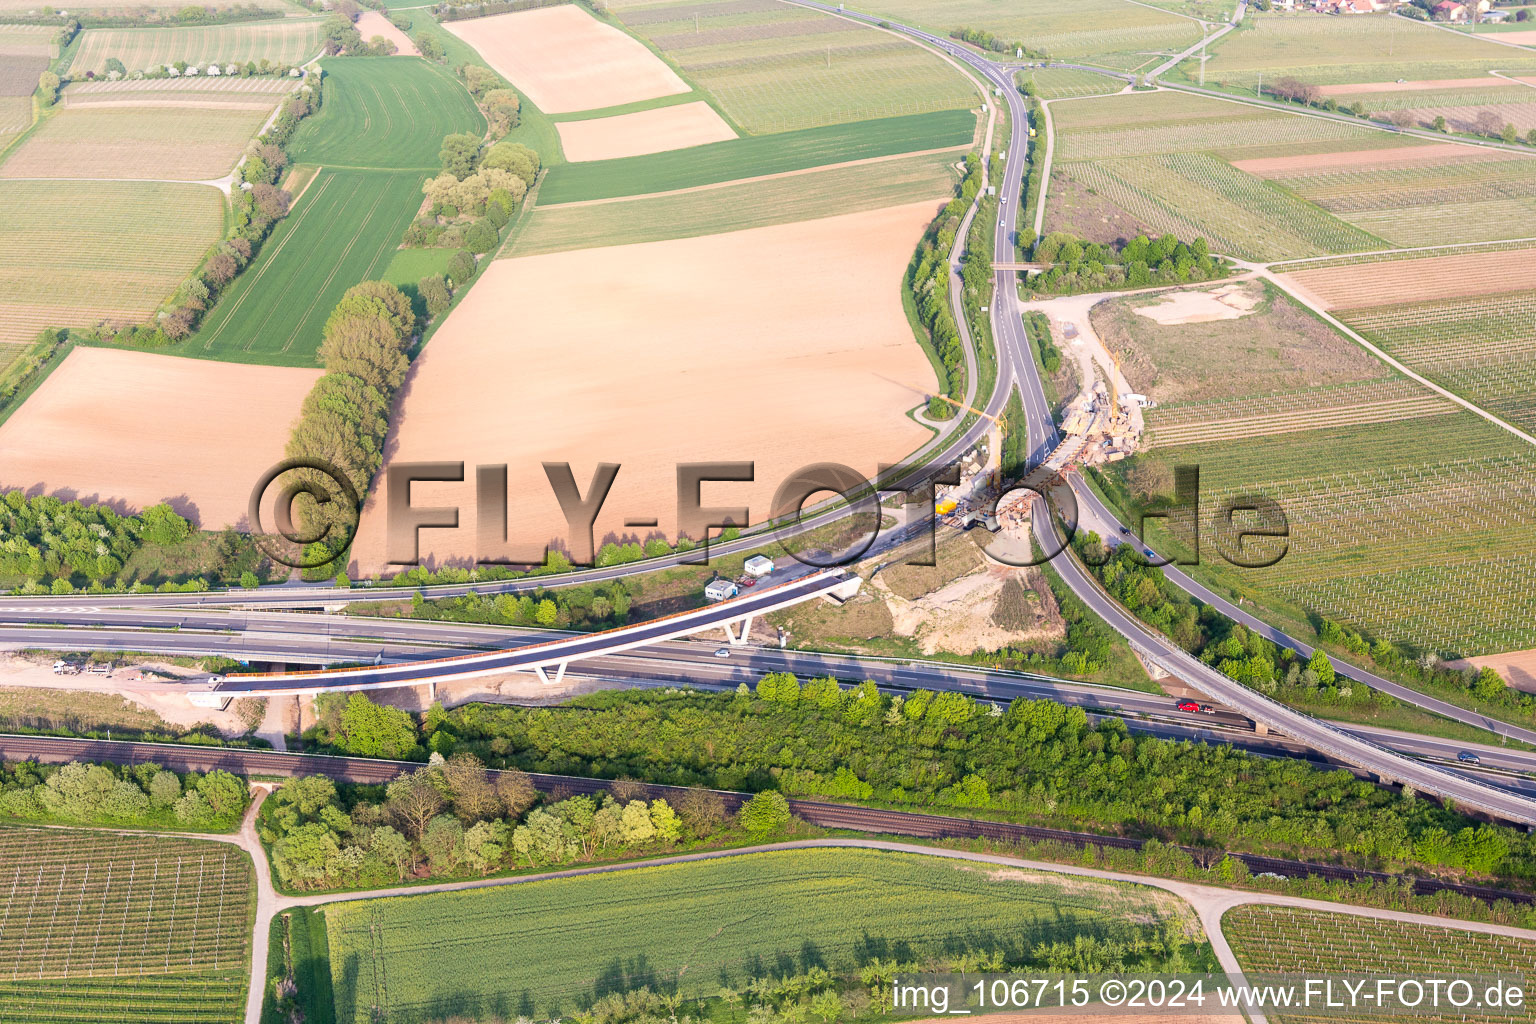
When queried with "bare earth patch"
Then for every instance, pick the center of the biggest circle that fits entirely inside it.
(1434, 277)
(645, 131)
(566, 60)
(1525, 38)
(1405, 156)
(1194, 307)
(1418, 85)
(781, 345)
(372, 23)
(1517, 667)
(134, 429)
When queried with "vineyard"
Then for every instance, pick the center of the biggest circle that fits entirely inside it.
(773, 68)
(281, 42)
(1061, 83)
(1100, 31)
(188, 144)
(1479, 271)
(254, 92)
(1482, 348)
(74, 252)
(98, 927)
(808, 196)
(1284, 940)
(1327, 51)
(554, 945)
(1421, 531)
(1286, 412)
(28, 41)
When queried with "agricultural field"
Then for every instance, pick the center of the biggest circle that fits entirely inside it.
(1322, 50)
(1419, 531)
(555, 945)
(385, 112)
(28, 41)
(1104, 32)
(18, 80)
(757, 155)
(808, 311)
(1415, 277)
(1061, 83)
(1164, 158)
(343, 229)
(281, 42)
(134, 429)
(73, 253)
(377, 138)
(774, 67)
(812, 194)
(657, 130)
(276, 6)
(256, 93)
(1286, 940)
(112, 927)
(532, 50)
(185, 144)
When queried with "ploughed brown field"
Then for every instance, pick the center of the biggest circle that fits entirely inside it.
(645, 131)
(781, 345)
(134, 429)
(564, 59)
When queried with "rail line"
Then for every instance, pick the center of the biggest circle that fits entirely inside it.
(248, 762)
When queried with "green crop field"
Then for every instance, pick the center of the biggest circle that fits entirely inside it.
(1104, 32)
(185, 143)
(815, 194)
(1163, 159)
(1283, 940)
(777, 68)
(1428, 204)
(377, 139)
(345, 228)
(290, 41)
(1329, 51)
(74, 252)
(756, 155)
(1481, 347)
(137, 929)
(385, 112)
(547, 948)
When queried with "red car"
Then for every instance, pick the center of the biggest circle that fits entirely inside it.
(1189, 705)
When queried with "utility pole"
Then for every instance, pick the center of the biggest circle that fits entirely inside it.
(1259, 92)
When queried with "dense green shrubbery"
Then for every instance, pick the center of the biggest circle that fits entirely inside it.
(1038, 762)
(102, 794)
(928, 286)
(451, 818)
(1083, 266)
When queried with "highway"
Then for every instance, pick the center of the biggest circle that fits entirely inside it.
(268, 763)
(1016, 369)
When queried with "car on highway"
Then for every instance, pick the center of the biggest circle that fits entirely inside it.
(1467, 757)
(724, 652)
(1148, 552)
(1189, 706)
(1206, 709)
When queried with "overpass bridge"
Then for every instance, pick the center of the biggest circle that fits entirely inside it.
(547, 660)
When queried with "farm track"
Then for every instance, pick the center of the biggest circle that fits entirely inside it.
(820, 813)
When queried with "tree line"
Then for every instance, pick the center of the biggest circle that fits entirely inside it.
(1487, 123)
(984, 40)
(144, 795)
(451, 818)
(1078, 265)
(1035, 761)
(927, 287)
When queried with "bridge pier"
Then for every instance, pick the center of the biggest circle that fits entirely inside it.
(539, 671)
(745, 627)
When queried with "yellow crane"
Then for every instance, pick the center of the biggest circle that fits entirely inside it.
(961, 405)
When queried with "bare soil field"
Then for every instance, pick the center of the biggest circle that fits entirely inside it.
(1525, 38)
(1228, 302)
(564, 59)
(1434, 277)
(1417, 85)
(1517, 667)
(18, 73)
(100, 141)
(645, 131)
(134, 429)
(372, 23)
(782, 345)
(1397, 156)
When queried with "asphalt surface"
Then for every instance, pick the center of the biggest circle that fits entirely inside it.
(1016, 367)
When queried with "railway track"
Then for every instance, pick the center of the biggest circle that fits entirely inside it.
(186, 757)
